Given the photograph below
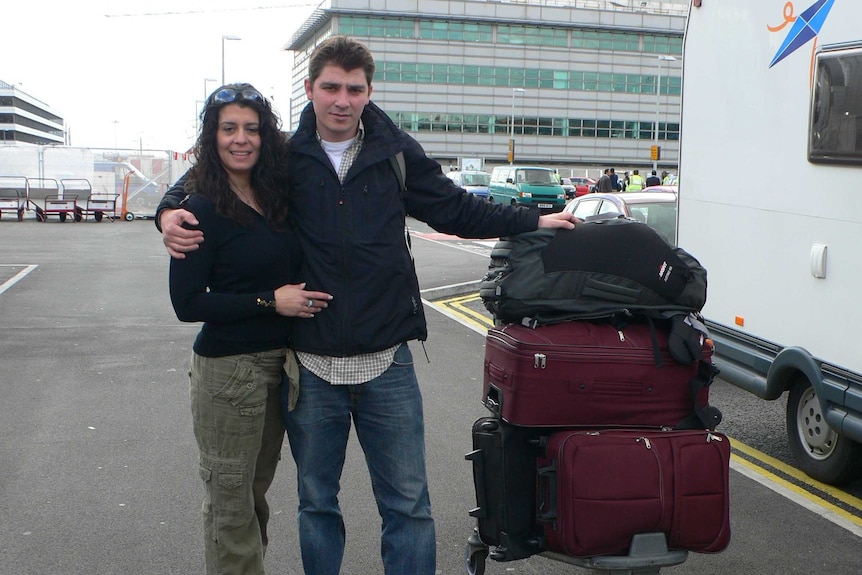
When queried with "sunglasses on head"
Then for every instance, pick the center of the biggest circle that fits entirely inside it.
(231, 95)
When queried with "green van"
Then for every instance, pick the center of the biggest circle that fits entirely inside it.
(527, 186)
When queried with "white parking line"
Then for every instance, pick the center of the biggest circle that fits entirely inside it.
(18, 277)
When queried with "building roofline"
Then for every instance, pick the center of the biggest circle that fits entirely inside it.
(324, 12)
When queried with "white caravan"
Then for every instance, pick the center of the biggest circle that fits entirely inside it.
(770, 202)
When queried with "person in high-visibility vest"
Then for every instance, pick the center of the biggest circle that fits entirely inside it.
(636, 182)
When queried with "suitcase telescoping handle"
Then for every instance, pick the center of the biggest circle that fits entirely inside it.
(547, 493)
(481, 509)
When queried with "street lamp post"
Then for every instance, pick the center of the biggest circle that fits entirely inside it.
(116, 150)
(512, 125)
(199, 111)
(206, 80)
(199, 107)
(223, 38)
(661, 58)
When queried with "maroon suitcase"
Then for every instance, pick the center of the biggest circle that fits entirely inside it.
(597, 489)
(580, 373)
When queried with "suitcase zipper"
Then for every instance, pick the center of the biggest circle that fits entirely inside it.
(712, 437)
(540, 361)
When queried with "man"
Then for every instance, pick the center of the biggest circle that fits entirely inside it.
(604, 184)
(354, 361)
(615, 180)
(636, 182)
(653, 180)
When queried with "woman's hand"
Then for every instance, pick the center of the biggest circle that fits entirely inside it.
(294, 301)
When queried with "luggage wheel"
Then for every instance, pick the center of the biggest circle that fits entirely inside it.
(648, 553)
(475, 554)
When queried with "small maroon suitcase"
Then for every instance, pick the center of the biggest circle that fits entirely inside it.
(597, 489)
(580, 373)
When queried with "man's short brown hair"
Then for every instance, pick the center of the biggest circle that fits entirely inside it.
(344, 52)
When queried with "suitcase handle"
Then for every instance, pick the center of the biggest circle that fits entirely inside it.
(494, 400)
(481, 509)
(547, 479)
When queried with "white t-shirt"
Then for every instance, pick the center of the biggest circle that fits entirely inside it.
(335, 151)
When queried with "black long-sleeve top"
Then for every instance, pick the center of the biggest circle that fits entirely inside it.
(228, 281)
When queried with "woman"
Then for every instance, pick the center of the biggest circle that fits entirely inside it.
(241, 283)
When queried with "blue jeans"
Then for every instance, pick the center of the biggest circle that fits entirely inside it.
(387, 413)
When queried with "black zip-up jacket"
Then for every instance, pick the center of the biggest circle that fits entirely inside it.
(352, 234)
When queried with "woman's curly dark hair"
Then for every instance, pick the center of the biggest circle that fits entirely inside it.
(269, 176)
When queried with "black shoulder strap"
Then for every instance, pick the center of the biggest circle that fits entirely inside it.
(400, 169)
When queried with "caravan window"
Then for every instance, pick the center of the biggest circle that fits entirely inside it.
(835, 128)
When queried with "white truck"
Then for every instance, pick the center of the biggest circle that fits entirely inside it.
(770, 202)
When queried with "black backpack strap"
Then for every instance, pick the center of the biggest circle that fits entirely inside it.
(400, 169)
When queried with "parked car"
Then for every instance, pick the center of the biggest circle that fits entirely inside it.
(662, 188)
(475, 182)
(527, 186)
(583, 185)
(656, 209)
(568, 187)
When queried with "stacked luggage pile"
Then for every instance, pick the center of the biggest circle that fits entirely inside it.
(600, 449)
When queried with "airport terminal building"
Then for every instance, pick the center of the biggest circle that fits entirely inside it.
(577, 84)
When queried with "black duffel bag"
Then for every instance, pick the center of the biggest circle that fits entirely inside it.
(599, 269)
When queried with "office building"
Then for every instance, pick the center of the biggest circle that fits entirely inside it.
(574, 83)
(26, 120)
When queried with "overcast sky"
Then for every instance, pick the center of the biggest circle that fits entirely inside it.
(132, 72)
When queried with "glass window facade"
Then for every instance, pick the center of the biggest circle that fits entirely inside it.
(377, 27)
(456, 31)
(532, 35)
(506, 77)
(513, 34)
(526, 125)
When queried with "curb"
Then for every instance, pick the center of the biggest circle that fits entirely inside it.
(442, 292)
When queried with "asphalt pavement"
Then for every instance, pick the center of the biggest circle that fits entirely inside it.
(98, 465)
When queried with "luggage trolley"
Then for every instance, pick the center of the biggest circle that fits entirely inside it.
(55, 200)
(648, 553)
(13, 195)
(97, 204)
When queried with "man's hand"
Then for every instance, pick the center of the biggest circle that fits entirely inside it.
(176, 238)
(558, 220)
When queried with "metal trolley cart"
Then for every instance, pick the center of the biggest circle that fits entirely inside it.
(648, 553)
(13, 195)
(97, 204)
(54, 200)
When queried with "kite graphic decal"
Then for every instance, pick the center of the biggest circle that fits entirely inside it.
(805, 27)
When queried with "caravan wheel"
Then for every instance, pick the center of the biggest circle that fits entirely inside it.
(820, 451)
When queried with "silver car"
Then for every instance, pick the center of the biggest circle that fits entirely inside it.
(656, 209)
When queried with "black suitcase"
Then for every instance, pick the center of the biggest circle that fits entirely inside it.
(504, 461)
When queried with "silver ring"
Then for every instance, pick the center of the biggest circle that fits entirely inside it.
(311, 303)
